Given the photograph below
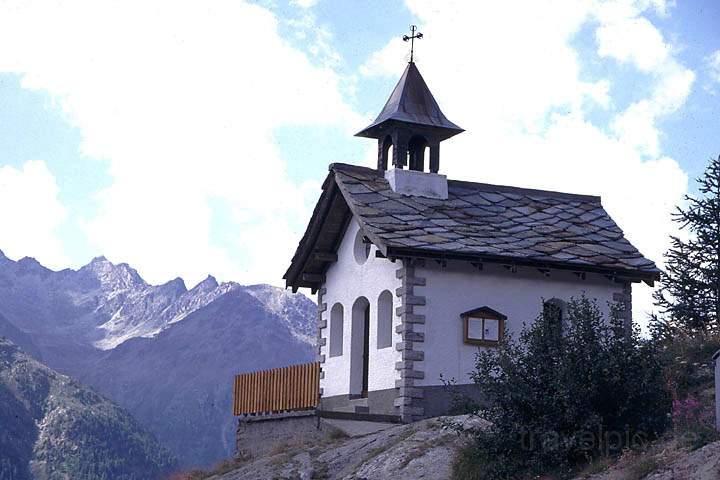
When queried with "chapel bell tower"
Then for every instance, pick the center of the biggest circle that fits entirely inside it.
(410, 122)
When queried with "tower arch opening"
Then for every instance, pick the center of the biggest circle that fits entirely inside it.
(416, 152)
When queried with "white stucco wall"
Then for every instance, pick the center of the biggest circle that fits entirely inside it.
(345, 282)
(459, 287)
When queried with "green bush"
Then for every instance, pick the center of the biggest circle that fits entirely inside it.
(562, 396)
(694, 423)
(687, 357)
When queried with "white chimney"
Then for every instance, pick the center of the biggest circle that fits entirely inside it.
(418, 184)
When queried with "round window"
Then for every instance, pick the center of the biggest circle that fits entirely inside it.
(361, 249)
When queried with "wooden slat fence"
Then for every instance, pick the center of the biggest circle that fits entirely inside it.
(278, 390)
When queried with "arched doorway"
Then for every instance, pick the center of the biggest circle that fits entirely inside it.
(360, 347)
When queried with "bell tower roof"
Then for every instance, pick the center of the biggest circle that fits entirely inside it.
(411, 102)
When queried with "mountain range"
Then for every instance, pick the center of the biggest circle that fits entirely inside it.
(165, 353)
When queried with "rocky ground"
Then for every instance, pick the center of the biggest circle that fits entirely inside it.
(425, 450)
(703, 464)
(422, 450)
(665, 461)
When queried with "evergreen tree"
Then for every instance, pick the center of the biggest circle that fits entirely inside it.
(689, 294)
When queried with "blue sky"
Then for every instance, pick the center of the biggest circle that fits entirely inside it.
(189, 138)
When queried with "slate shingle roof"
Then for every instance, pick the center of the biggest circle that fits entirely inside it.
(489, 223)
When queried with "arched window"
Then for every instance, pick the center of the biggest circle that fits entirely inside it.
(336, 330)
(554, 314)
(384, 320)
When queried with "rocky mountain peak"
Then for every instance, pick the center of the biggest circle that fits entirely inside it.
(176, 286)
(30, 261)
(30, 265)
(288, 306)
(208, 285)
(113, 276)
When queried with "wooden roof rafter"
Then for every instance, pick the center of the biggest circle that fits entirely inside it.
(318, 248)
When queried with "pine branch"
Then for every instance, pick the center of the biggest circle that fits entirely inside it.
(689, 294)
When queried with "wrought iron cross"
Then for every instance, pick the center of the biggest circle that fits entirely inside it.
(412, 38)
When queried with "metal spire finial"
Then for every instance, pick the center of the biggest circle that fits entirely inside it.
(412, 38)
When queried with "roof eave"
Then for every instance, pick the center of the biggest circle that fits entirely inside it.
(297, 264)
(294, 276)
(649, 277)
(376, 129)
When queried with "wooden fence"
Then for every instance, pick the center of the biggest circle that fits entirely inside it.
(281, 389)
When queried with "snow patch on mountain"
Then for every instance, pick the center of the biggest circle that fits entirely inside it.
(150, 310)
(105, 304)
(294, 309)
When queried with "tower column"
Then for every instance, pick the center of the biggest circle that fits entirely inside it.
(400, 148)
(434, 157)
(383, 148)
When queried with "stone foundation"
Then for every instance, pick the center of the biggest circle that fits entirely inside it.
(379, 402)
(435, 401)
(438, 400)
(260, 434)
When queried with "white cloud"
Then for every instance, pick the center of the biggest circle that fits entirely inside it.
(520, 95)
(628, 37)
(305, 3)
(182, 98)
(637, 124)
(31, 213)
(631, 39)
(386, 61)
(713, 62)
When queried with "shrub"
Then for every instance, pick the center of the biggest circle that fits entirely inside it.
(222, 467)
(694, 422)
(643, 466)
(561, 396)
(688, 362)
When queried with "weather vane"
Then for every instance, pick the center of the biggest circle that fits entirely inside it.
(412, 38)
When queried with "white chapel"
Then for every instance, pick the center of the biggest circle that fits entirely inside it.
(414, 272)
